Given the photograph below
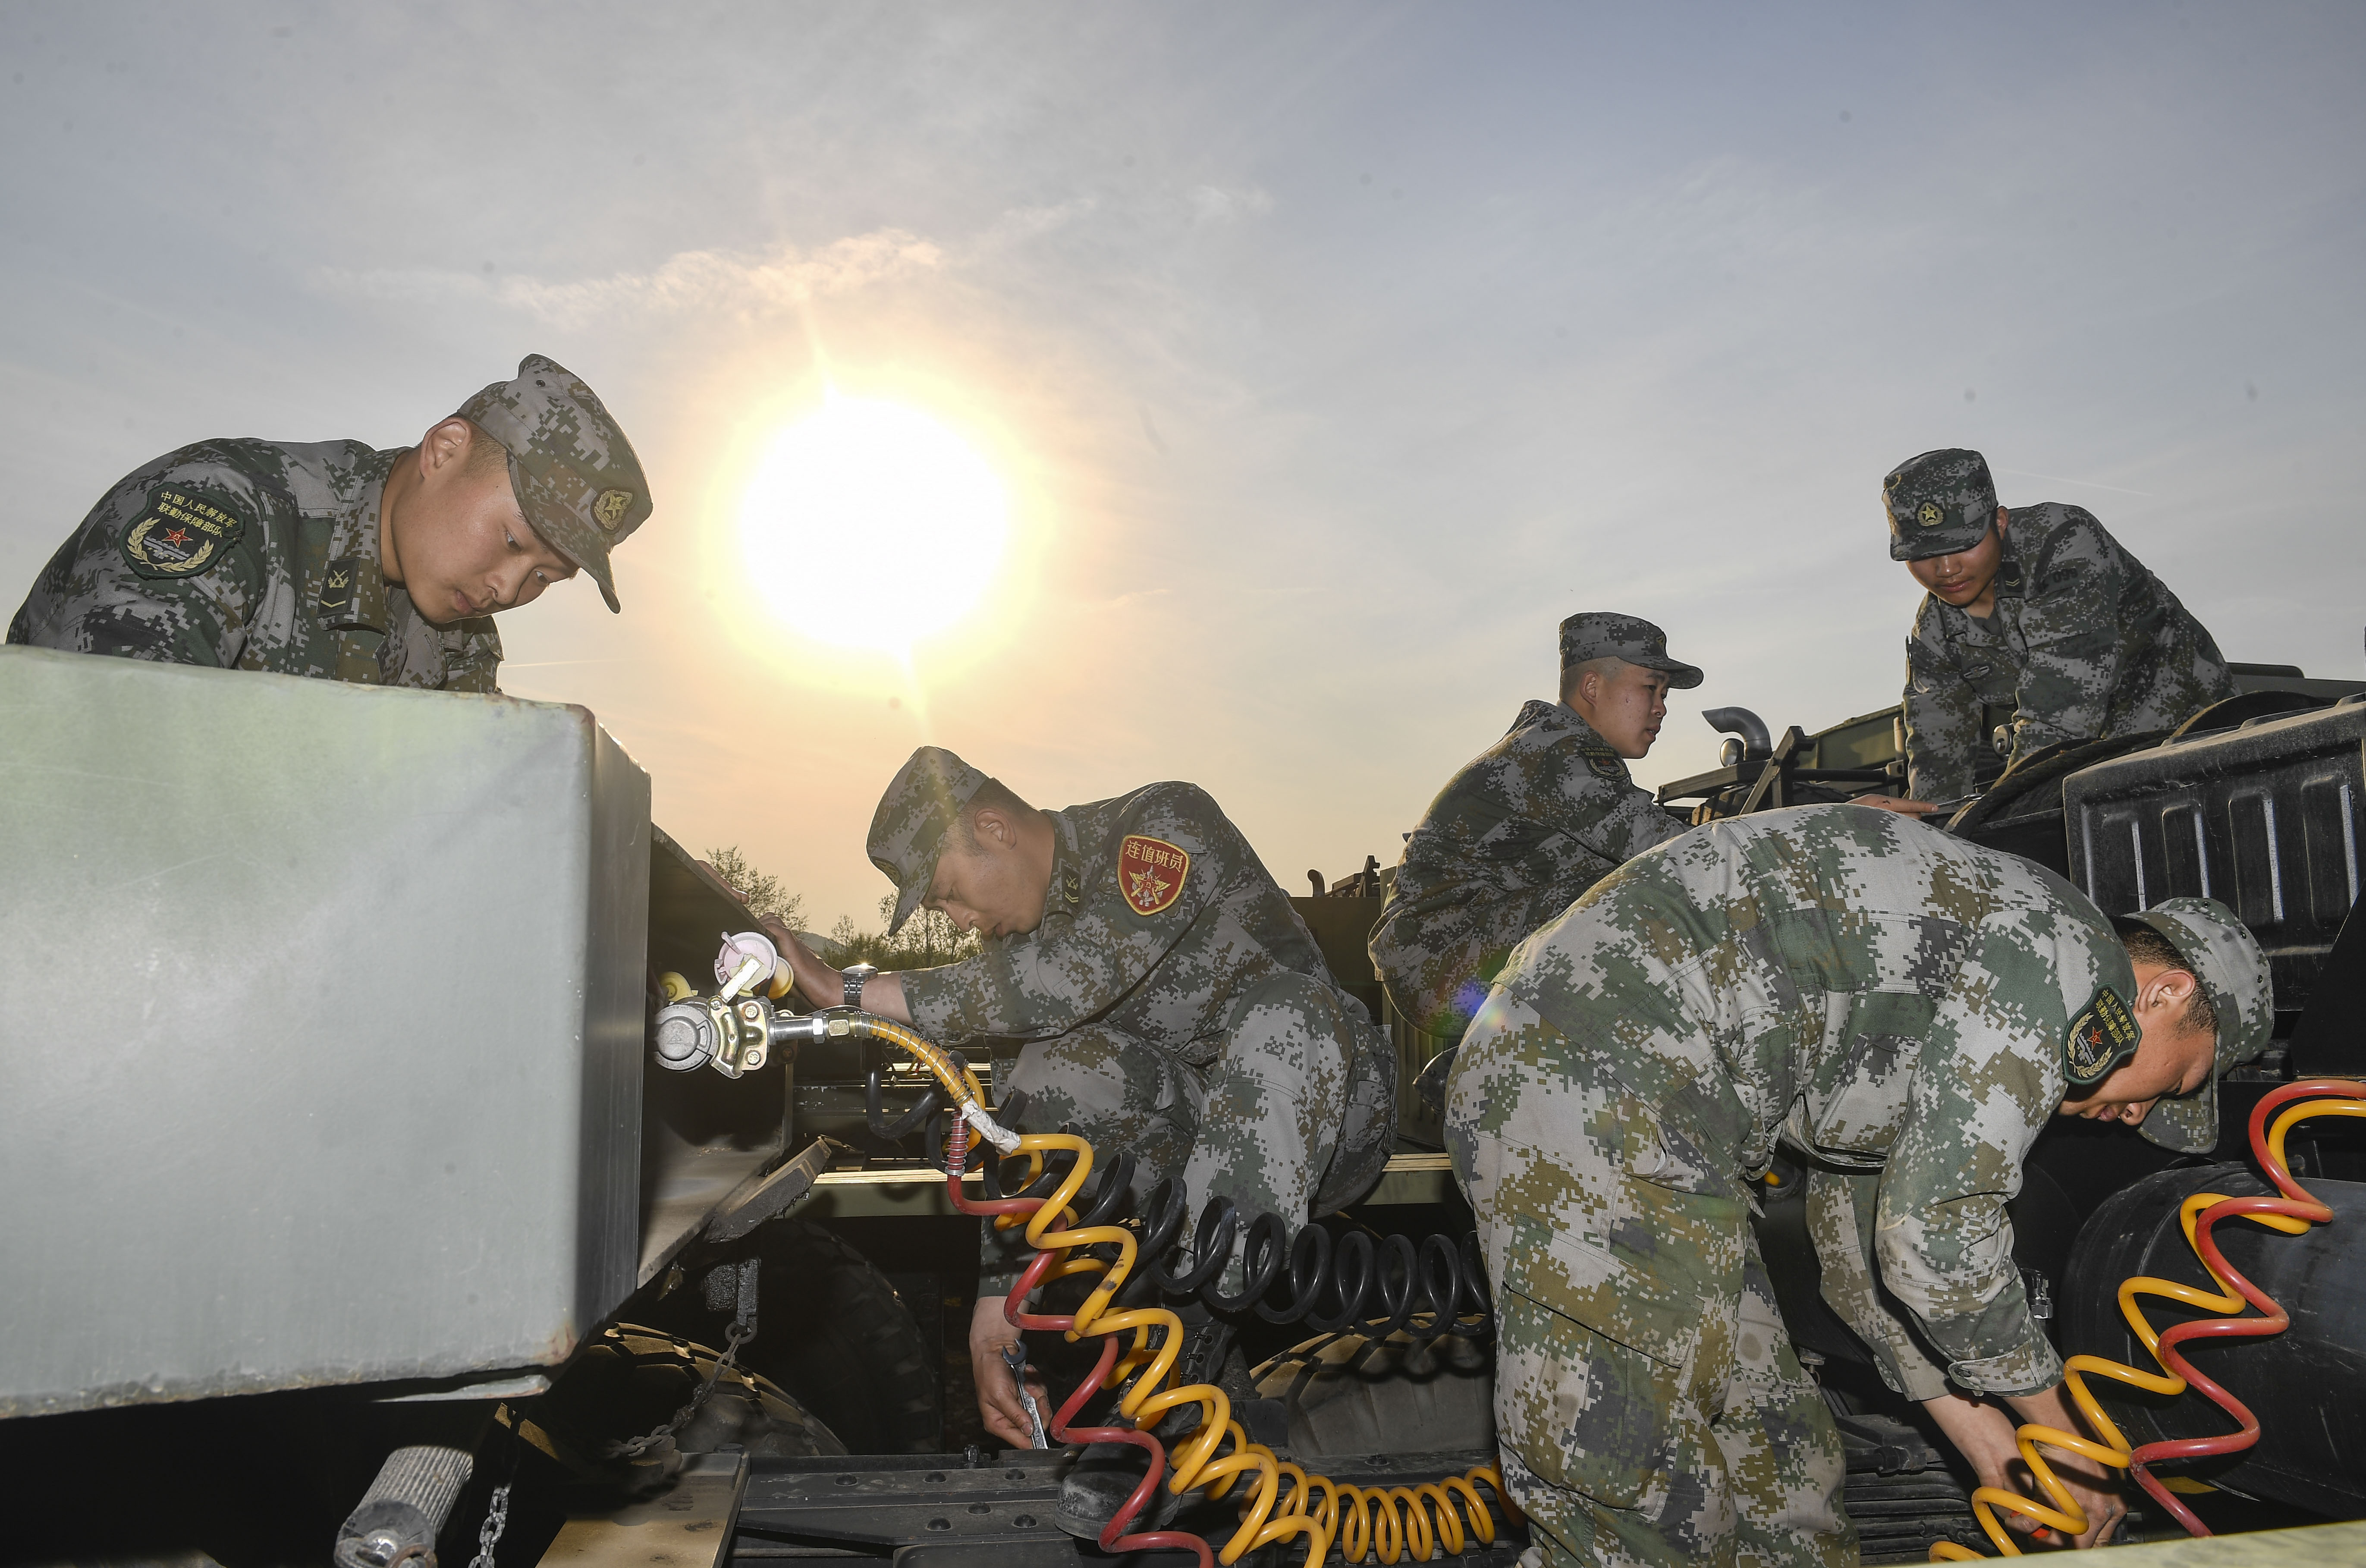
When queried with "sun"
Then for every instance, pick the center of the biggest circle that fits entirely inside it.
(870, 524)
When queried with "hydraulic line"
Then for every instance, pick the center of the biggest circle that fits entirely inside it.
(2291, 1213)
(1283, 1501)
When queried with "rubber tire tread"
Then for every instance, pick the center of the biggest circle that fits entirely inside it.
(833, 1333)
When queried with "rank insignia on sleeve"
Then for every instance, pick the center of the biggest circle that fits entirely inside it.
(180, 533)
(337, 584)
(2102, 1035)
(1150, 873)
(1603, 765)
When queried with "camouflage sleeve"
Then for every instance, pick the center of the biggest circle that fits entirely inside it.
(1943, 719)
(2069, 624)
(1941, 1232)
(166, 567)
(1591, 797)
(1073, 968)
(476, 665)
(1841, 1210)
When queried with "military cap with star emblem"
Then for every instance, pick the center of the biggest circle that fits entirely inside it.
(1939, 503)
(575, 474)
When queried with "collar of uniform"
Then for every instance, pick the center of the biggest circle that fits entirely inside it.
(1589, 739)
(1065, 895)
(1537, 711)
(2009, 575)
(354, 547)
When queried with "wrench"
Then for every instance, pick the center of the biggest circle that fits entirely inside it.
(1014, 1356)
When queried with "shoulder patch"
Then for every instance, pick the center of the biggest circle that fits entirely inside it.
(1150, 873)
(2102, 1034)
(1604, 765)
(181, 531)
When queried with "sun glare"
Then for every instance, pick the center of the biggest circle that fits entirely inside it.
(869, 525)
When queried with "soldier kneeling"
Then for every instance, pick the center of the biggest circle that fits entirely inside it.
(1172, 1003)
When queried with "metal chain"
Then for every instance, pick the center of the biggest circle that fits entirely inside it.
(633, 1448)
(488, 1534)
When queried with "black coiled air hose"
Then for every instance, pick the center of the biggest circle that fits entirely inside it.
(1433, 1287)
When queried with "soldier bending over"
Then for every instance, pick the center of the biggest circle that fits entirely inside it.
(1172, 1003)
(330, 560)
(1908, 1008)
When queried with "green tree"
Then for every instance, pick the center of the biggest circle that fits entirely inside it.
(764, 892)
(928, 939)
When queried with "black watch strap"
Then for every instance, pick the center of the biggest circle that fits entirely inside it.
(853, 977)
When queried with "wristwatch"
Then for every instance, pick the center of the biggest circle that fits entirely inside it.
(854, 977)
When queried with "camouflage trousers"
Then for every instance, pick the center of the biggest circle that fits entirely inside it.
(1649, 1405)
(1293, 1118)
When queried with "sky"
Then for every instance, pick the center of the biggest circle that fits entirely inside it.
(1326, 355)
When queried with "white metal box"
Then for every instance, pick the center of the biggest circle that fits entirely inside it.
(321, 1026)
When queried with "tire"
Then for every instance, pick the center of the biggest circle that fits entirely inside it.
(2016, 791)
(632, 1379)
(833, 1332)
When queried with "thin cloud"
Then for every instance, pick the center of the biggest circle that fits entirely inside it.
(702, 282)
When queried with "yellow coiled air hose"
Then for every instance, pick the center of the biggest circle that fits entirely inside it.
(1283, 1501)
(2291, 1213)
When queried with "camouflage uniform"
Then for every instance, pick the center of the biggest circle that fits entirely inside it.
(259, 555)
(1892, 999)
(2084, 643)
(1172, 1003)
(296, 591)
(1515, 837)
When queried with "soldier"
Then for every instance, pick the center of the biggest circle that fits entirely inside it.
(1529, 823)
(2037, 625)
(1907, 1008)
(330, 560)
(1171, 1002)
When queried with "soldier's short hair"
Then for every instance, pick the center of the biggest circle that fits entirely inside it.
(1606, 666)
(2147, 945)
(484, 452)
(993, 792)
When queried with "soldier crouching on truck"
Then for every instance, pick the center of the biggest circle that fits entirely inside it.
(1907, 1008)
(2037, 625)
(332, 559)
(1171, 1002)
(1529, 823)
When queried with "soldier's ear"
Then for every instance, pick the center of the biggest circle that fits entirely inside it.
(446, 442)
(2004, 519)
(992, 822)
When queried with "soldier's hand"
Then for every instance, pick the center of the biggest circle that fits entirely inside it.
(818, 983)
(2097, 1490)
(997, 1391)
(1898, 804)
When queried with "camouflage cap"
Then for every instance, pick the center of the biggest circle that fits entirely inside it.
(1597, 634)
(1938, 503)
(575, 474)
(923, 800)
(2226, 959)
